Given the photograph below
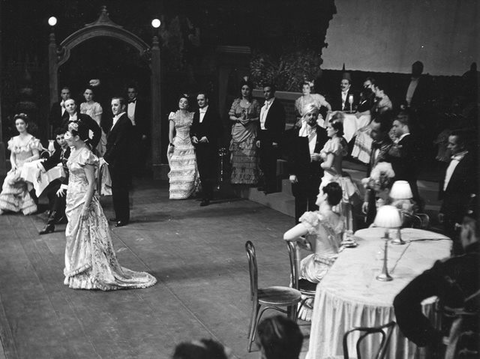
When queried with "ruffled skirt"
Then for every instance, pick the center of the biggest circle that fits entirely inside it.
(183, 175)
(244, 160)
(15, 196)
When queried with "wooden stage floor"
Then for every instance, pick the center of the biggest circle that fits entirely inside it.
(197, 254)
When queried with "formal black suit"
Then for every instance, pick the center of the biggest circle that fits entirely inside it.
(142, 127)
(405, 157)
(456, 197)
(118, 157)
(336, 101)
(91, 124)
(273, 132)
(56, 118)
(56, 203)
(309, 173)
(207, 153)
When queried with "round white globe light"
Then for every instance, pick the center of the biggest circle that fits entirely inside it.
(52, 21)
(156, 23)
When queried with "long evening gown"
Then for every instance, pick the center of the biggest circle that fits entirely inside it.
(15, 196)
(325, 234)
(244, 152)
(183, 175)
(90, 260)
(338, 147)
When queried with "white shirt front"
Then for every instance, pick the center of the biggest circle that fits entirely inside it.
(62, 106)
(115, 119)
(264, 112)
(73, 118)
(202, 112)
(344, 99)
(451, 167)
(131, 111)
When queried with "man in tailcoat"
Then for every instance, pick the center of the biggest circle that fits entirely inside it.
(138, 112)
(58, 112)
(95, 132)
(304, 162)
(56, 190)
(457, 186)
(205, 132)
(272, 127)
(118, 157)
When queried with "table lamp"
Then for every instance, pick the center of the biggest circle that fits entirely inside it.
(400, 191)
(387, 217)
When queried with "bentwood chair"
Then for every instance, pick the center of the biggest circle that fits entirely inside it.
(280, 298)
(385, 332)
(306, 288)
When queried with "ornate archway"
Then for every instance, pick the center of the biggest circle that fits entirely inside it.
(104, 27)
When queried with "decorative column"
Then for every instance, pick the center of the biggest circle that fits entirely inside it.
(52, 67)
(159, 170)
(3, 164)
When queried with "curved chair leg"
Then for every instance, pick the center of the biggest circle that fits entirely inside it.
(253, 325)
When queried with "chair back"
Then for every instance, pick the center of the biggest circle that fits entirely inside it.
(294, 265)
(385, 332)
(253, 270)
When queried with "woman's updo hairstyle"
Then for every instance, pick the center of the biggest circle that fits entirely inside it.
(22, 116)
(79, 129)
(246, 81)
(338, 126)
(334, 193)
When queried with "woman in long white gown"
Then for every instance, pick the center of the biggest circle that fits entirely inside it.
(90, 259)
(183, 176)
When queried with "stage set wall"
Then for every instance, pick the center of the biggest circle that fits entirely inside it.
(389, 35)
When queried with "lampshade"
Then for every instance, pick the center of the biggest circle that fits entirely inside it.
(401, 190)
(388, 217)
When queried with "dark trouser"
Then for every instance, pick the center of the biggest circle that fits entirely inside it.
(207, 160)
(305, 197)
(56, 204)
(268, 164)
(451, 231)
(121, 182)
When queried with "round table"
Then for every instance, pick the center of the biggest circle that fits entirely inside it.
(351, 296)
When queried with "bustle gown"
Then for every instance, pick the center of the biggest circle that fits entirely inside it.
(90, 259)
(325, 234)
(15, 196)
(183, 176)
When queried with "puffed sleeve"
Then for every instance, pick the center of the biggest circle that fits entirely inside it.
(333, 146)
(311, 220)
(87, 158)
(233, 109)
(34, 144)
(11, 144)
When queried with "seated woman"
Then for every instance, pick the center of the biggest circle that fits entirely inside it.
(15, 196)
(324, 231)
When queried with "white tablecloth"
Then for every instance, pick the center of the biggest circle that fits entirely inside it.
(351, 124)
(30, 174)
(350, 296)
